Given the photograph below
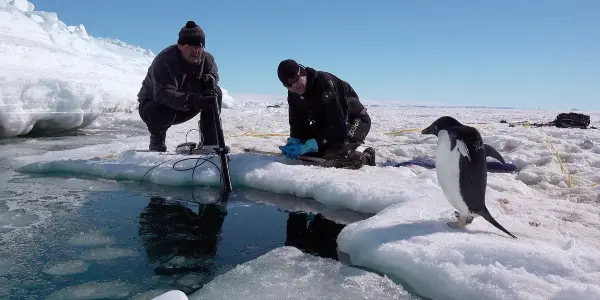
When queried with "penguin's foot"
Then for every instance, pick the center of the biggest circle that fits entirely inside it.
(461, 221)
(470, 219)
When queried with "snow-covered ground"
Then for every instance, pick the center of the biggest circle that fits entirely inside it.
(552, 202)
(557, 226)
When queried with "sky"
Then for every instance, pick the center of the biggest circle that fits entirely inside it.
(524, 54)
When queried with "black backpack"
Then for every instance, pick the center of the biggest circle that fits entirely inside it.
(572, 120)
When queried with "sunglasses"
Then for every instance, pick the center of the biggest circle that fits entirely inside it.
(292, 81)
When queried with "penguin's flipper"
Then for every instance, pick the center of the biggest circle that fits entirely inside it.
(455, 141)
(493, 153)
(462, 148)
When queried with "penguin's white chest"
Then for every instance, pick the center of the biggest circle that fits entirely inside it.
(448, 171)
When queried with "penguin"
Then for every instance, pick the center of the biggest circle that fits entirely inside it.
(461, 169)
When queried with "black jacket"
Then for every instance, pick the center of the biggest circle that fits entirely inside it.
(324, 110)
(171, 80)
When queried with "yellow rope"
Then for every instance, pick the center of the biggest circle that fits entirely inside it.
(419, 129)
(560, 163)
(403, 131)
(252, 134)
(268, 134)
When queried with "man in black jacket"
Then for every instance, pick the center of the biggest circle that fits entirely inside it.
(325, 115)
(181, 83)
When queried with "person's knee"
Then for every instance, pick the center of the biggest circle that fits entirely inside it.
(366, 120)
(365, 125)
(358, 133)
(157, 116)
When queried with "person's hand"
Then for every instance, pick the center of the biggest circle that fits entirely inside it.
(290, 151)
(201, 85)
(295, 148)
(208, 81)
(207, 86)
(200, 101)
(290, 147)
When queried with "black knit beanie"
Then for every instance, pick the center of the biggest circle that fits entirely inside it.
(191, 34)
(287, 70)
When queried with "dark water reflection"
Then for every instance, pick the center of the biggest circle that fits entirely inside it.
(173, 232)
(140, 239)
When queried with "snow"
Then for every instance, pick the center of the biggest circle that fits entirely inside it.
(57, 76)
(288, 273)
(172, 295)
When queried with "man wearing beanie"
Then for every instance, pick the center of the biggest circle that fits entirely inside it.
(325, 115)
(181, 83)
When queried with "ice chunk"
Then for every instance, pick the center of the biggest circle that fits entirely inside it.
(288, 273)
(23, 5)
(94, 290)
(108, 253)
(172, 295)
(479, 262)
(67, 268)
(90, 239)
(153, 294)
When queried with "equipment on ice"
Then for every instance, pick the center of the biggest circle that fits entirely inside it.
(222, 150)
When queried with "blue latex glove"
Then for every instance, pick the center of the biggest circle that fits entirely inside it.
(289, 146)
(293, 149)
(290, 150)
(293, 141)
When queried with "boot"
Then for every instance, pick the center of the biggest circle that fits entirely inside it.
(369, 156)
(157, 141)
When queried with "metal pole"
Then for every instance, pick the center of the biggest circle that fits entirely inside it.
(223, 150)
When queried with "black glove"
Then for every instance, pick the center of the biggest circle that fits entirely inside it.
(208, 82)
(204, 84)
(200, 101)
(203, 93)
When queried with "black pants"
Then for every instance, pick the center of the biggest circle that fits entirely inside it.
(358, 130)
(159, 118)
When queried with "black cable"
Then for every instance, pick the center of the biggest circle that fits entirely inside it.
(196, 165)
(198, 159)
(201, 142)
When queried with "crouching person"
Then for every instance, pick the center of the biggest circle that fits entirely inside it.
(181, 83)
(326, 117)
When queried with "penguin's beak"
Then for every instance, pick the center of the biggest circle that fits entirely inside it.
(427, 130)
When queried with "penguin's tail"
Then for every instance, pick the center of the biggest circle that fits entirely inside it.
(488, 217)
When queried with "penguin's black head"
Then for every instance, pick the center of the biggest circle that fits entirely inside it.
(442, 123)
